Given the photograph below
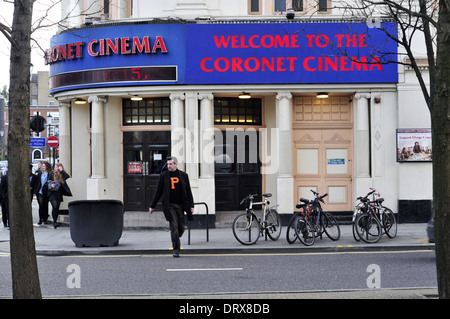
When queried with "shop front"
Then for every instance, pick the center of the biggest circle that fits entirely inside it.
(158, 89)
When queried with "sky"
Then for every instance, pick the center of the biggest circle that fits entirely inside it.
(42, 36)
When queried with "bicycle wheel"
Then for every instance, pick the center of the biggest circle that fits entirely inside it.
(273, 224)
(355, 214)
(389, 222)
(304, 231)
(291, 236)
(368, 228)
(246, 229)
(331, 226)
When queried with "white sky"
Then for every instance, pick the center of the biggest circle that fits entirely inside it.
(42, 36)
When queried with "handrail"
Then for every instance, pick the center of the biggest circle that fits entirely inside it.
(207, 223)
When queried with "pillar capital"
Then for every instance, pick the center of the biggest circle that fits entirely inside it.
(284, 95)
(361, 95)
(96, 99)
(177, 96)
(205, 96)
(64, 104)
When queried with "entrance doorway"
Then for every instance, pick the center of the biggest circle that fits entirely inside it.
(144, 154)
(323, 150)
(237, 168)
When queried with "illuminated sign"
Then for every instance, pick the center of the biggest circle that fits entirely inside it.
(238, 53)
(100, 47)
(291, 53)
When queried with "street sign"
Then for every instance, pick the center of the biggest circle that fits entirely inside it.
(37, 142)
(52, 141)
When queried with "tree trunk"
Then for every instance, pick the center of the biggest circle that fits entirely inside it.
(441, 153)
(25, 276)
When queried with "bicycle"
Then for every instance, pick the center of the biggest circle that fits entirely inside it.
(300, 224)
(387, 218)
(370, 218)
(247, 227)
(315, 222)
(360, 208)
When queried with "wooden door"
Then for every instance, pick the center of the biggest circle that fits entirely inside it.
(323, 151)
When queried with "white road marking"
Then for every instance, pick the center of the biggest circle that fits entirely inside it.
(206, 269)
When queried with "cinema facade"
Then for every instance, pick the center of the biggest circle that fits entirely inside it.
(323, 111)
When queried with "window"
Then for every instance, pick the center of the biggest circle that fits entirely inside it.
(237, 111)
(283, 5)
(106, 7)
(254, 6)
(148, 111)
(323, 6)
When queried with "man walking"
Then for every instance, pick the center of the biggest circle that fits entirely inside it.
(175, 189)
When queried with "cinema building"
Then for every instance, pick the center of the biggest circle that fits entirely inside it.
(249, 100)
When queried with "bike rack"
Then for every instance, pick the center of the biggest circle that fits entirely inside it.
(207, 223)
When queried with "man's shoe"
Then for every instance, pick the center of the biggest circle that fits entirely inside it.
(176, 255)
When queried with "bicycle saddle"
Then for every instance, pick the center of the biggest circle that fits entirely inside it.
(267, 195)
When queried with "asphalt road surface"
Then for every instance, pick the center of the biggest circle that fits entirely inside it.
(227, 274)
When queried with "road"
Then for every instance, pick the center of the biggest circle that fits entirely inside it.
(213, 274)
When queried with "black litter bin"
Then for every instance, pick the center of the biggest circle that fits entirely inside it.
(95, 223)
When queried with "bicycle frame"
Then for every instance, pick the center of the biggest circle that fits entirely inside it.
(248, 222)
(315, 220)
(265, 205)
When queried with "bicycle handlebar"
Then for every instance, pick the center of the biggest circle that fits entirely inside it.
(251, 196)
(366, 198)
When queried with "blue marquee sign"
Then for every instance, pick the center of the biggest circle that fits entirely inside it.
(253, 53)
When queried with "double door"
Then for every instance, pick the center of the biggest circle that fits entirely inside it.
(323, 163)
(145, 156)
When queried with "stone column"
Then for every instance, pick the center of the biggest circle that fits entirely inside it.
(362, 138)
(178, 130)
(65, 149)
(285, 181)
(192, 135)
(192, 142)
(207, 135)
(98, 136)
(206, 180)
(97, 184)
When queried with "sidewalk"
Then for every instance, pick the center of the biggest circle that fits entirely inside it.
(54, 242)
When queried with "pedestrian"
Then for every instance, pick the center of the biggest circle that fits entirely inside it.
(57, 187)
(4, 199)
(33, 181)
(175, 189)
(40, 190)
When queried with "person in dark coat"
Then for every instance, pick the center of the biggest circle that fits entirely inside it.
(33, 181)
(40, 189)
(56, 189)
(175, 189)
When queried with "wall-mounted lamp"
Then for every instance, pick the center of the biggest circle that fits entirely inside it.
(322, 95)
(290, 14)
(245, 95)
(80, 101)
(136, 98)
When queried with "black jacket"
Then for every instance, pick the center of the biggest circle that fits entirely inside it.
(163, 189)
(38, 184)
